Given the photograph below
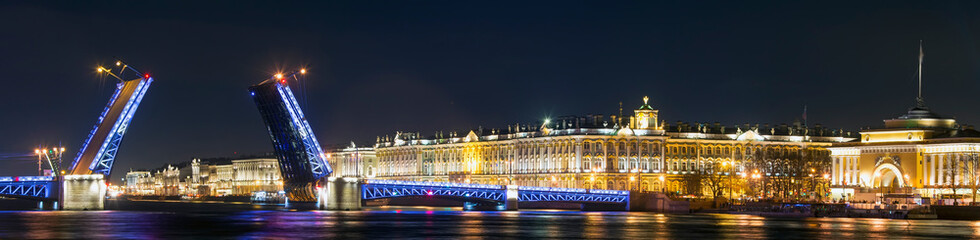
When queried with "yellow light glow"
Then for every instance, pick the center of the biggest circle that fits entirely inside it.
(632, 179)
(302, 71)
(118, 63)
(278, 75)
(99, 69)
(661, 178)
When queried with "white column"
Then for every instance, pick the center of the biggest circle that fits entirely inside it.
(835, 165)
(925, 170)
(578, 155)
(942, 168)
(932, 169)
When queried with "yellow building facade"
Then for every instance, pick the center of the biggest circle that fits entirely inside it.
(639, 153)
(919, 154)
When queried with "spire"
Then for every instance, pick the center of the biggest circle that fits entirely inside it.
(918, 100)
(646, 104)
(619, 117)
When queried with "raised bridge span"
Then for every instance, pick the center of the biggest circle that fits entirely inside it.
(83, 187)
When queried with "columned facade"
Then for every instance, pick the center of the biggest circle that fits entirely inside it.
(636, 153)
(919, 155)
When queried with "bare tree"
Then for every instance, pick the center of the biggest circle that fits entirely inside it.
(712, 177)
(971, 170)
(951, 174)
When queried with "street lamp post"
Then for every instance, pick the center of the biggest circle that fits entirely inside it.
(38, 153)
(663, 189)
(755, 179)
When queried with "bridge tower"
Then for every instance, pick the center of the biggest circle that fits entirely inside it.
(84, 187)
(301, 160)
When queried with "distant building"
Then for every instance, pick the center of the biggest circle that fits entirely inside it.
(260, 174)
(223, 183)
(353, 161)
(214, 177)
(139, 183)
(641, 152)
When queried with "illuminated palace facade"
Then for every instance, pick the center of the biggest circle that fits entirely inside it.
(920, 153)
(640, 153)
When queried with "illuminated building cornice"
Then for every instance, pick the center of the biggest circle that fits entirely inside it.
(644, 124)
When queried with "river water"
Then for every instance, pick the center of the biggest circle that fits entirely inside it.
(170, 220)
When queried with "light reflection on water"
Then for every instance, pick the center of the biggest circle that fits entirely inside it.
(440, 224)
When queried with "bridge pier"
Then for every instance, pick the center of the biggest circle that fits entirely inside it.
(83, 192)
(340, 194)
(512, 198)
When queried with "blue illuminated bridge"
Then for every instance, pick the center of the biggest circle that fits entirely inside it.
(28, 187)
(504, 197)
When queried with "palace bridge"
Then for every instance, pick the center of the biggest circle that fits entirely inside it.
(302, 163)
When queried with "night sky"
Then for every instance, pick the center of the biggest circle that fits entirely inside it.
(377, 67)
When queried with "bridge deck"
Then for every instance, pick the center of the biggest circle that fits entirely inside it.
(29, 187)
(377, 189)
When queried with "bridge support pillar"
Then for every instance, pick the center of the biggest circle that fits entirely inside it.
(512, 197)
(340, 194)
(83, 192)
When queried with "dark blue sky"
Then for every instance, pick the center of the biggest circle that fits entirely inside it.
(377, 66)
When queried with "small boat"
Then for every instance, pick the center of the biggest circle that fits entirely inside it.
(922, 213)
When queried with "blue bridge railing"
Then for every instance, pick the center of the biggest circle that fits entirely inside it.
(27, 186)
(376, 189)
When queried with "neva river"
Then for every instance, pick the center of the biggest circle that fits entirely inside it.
(168, 220)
